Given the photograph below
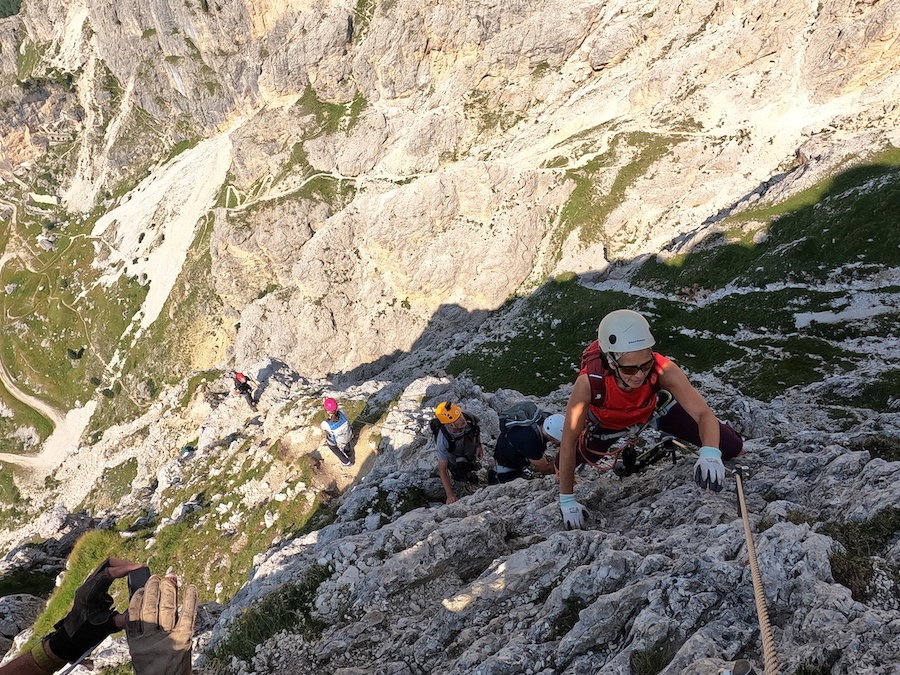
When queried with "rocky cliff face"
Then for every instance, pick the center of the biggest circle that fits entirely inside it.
(660, 584)
(335, 197)
(390, 148)
(399, 582)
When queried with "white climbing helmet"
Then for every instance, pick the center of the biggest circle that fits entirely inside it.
(624, 331)
(553, 427)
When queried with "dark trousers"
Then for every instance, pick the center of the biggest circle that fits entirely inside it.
(508, 476)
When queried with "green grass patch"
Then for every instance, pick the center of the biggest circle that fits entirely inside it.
(50, 319)
(561, 318)
(567, 618)
(335, 192)
(800, 518)
(9, 8)
(323, 515)
(22, 416)
(411, 499)
(540, 69)
(9, 493)
(362, 16)
(197, 380)
(588, 208)
(489, 112)
(357, 105)
(111, 85)
(121, 669)
(89, 551)
(29, 55)
(777, 364)
(843, 419)
(557, 162)
(323, 118)
(298, 161)
(541, 356)
(288, 608)
(215, 548)
(812, 669)
(880, 446)
(853, 566)
(181, 146)
(115, 482)
(380, 504)
(32, 582)
(327, 116)
(270, 288)
(880, 394)
(654, 660)
(846, 222)
(749, 341)
(13, 518)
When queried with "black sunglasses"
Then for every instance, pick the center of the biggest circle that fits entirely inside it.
(634, 370)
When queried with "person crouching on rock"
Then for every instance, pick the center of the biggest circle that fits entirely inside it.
(519, 447)
(457, 440)
(242, 386)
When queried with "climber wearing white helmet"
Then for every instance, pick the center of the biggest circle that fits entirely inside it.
(617, 390)
(519, 446)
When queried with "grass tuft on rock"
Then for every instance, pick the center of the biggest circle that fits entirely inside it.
(288, 608)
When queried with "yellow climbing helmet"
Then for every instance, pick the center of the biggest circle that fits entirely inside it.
(447, 412)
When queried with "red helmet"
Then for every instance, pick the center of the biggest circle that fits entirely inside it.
(240, 377)
(330, 405)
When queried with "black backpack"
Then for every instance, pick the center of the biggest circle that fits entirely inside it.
(473, 433)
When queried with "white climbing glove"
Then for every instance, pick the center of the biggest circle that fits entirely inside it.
(709, 472)
(573, 513)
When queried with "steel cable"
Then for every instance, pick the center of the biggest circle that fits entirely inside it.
(770, 658)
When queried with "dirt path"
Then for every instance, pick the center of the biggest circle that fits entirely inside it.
(64, 439)
(67, 427)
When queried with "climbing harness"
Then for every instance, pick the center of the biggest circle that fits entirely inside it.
(632, 459)
(770, 659)
(635, 460)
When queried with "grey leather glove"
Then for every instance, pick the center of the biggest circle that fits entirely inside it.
(159, 636)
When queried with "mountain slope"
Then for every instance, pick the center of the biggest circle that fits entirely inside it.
(358, 199)
(352, 156)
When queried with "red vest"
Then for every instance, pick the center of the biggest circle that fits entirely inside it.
(614, 409)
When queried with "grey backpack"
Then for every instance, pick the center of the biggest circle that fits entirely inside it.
(521, 414)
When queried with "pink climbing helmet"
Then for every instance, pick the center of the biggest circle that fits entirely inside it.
(330, 405)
